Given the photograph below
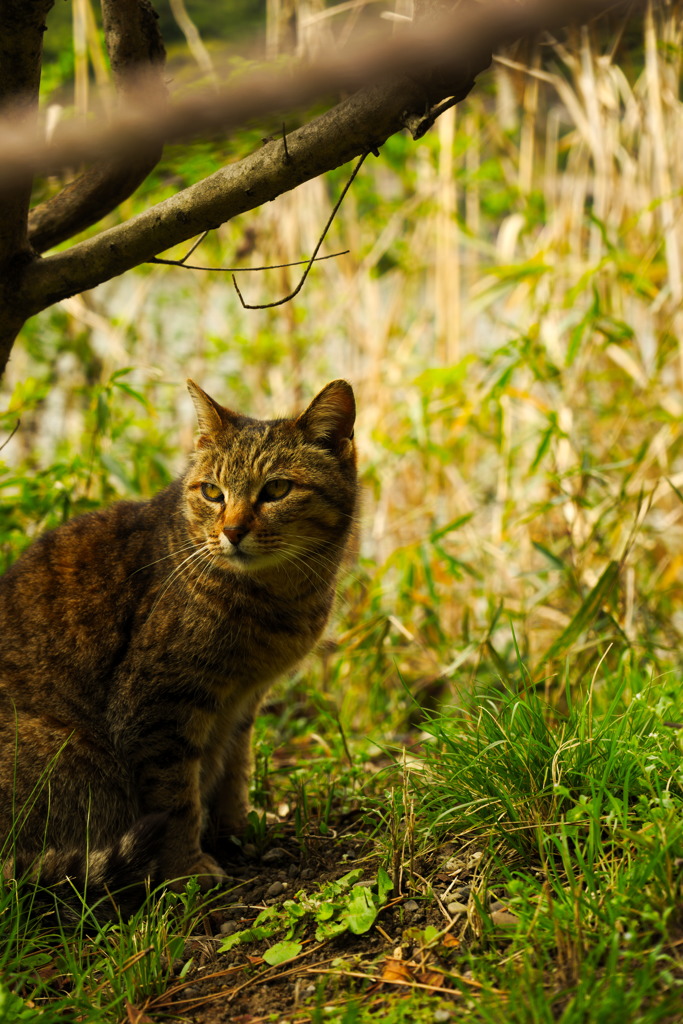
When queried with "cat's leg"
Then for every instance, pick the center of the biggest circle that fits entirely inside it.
(167, 773)
(229, 804)
(227, 798)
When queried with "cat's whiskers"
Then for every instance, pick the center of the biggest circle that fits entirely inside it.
(326, 560)
(296, 561)
(195, 585)
(176, 551)
(213, 557)
(283, 567)
(305, 559)
(177, 572)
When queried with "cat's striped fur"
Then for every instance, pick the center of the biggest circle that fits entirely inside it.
(137, 643)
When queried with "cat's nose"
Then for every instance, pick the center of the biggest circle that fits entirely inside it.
(235, 533)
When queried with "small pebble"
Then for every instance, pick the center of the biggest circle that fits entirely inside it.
(307, 873)
(441, 1016)
(411, 906)
(497, 905)
(293, 870)
(452, 864)
(276, 889)
(504, 920)
(455, 907)
(274, 856)
(228, 927)
(249, 850)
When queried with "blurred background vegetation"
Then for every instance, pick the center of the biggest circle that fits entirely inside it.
(509, 312)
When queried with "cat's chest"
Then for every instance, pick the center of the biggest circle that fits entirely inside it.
(244, 642)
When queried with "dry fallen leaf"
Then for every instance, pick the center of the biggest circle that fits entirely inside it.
(405, 973)
(136, 1015)
(432, 979)
(396, 970)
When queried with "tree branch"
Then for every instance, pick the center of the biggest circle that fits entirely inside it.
(137, 55)
(22, 24)
(359, 124)
(456, 41)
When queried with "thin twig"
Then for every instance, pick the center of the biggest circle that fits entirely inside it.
(242, 270)
(7, 441)
(195, 246)
(281, 302)
(256, 978)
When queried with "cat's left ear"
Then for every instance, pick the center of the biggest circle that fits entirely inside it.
(211, 417)
(330, 417)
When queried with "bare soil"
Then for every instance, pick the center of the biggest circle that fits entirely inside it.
(240, 988)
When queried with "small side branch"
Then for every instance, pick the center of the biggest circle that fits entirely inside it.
(241, 270)
(8, 439)
(287, 298)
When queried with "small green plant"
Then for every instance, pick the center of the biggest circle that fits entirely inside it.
(338, 906)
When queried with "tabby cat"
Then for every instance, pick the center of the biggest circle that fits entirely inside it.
(136, 644)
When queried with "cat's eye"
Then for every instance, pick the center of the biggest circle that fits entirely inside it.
(212, 493)
(275, 489)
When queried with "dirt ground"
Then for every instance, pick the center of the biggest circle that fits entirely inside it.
(239, 987)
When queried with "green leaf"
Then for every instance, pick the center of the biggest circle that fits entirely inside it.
(328, 930)
(325, 911)
(294, 910)
(587, 613)
(557, 562)
(361, 911)
(132, 392)
(12, 1006)
(455, 524)
(384, 886)
(349, 879)
(281, 952)
(265, 925)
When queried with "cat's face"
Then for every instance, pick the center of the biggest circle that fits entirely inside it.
(273, 493)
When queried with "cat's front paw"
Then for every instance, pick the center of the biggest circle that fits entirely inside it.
(208, 872)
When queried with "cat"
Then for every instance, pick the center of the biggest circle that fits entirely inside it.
(137, 643)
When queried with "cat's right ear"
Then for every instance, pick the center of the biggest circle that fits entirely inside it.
(330, 417)
(211, 417)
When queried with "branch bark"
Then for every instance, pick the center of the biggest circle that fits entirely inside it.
(360, 124)
(137, 57)
(22, 24)
(453, 42)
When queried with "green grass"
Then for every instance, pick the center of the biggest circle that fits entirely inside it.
(52, 971)
(579, 818)
(574, 823)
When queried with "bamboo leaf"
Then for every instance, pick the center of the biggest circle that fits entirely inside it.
(586, 615)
